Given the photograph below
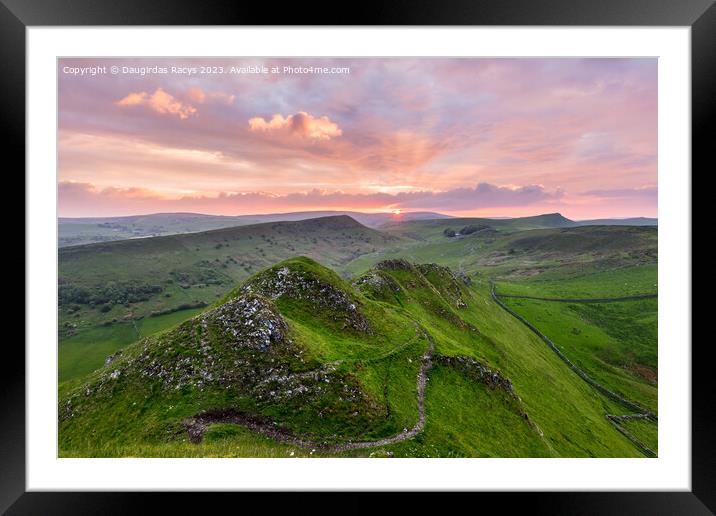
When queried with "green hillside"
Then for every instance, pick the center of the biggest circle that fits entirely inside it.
(111, 294)
(107, 291)
(434, 229)
(613, 342)
(406, 360)
(220, 344)
(87, 230)
(521, 253)
(618, 282)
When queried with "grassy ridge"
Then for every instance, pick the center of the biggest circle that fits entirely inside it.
(370, 392)
(83, 353)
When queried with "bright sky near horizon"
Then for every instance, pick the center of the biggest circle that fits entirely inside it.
(469, 136)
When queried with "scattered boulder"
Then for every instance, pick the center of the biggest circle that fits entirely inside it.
(323, 296)
(477, 371)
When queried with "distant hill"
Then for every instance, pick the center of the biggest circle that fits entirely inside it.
(609, 246)
(635, 221)
(85, 230)
(435, 229)
(519, 246)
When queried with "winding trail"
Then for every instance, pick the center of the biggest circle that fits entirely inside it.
(640, 412)
(197, 425)
(636, 297)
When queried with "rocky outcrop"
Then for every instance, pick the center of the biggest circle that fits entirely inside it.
(467, 280)
(250, 321)
(478, 372)
(443, 279)
(438, 278)
(111, 358)
(378, 285)
(394, 265)
(326, 298)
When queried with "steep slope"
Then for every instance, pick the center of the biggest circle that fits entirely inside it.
(411, 361)
(468, 323)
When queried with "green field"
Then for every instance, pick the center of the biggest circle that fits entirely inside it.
(86, 351)
(615, 343)
(644, 430)
(621, 282)
(83, 353)
(329, 353)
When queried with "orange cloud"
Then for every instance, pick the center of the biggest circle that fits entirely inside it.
(161, 102)
(302, 124)
(199, 96)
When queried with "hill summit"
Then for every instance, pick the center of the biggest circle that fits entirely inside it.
(295, 354)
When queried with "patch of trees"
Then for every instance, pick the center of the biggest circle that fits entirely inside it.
(467, 230)
(107, 295)
(184, 306)
(204, 274)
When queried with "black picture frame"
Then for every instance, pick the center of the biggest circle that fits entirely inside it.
(17, 15)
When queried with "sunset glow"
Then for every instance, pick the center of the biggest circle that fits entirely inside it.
(468, 137)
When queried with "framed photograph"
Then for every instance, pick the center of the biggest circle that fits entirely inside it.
(442, 248)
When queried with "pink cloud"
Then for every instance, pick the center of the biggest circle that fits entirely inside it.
(84, 199)
(302, 124)
(585, 127)
(199, 96)
(161, 102)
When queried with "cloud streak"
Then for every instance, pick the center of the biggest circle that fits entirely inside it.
(648, 192)
(83, 199)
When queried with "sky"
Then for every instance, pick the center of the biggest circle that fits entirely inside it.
(467, 137)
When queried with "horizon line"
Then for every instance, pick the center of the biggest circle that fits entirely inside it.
(389, 212)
